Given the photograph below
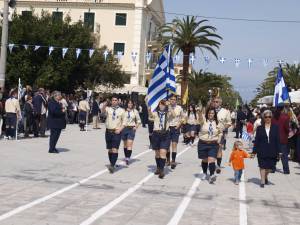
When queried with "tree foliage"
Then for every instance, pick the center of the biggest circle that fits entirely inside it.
(201, 82)
(188, 34)
(291, 75)
(37, 68)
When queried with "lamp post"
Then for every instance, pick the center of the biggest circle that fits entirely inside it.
(4, 40)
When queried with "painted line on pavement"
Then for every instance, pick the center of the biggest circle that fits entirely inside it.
(242, 200)
(103, 210)
(185, 202)
(61, 191)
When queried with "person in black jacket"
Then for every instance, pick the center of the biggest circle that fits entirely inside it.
(266, 146)
(56, 120)
(39, 110)
(28, 116)
(240, 121)
(95, 113)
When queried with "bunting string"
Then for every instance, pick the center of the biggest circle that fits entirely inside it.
(178, 58)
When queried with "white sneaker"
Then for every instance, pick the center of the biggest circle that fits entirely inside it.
(212, 179)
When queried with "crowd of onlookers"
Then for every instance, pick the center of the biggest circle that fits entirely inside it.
(29, 111)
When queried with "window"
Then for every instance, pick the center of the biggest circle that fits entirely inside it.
(89, 20)
(57, 16)
(119, 47)
(121, 19)
(26, 13)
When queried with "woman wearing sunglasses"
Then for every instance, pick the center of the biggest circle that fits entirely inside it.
(266, 146)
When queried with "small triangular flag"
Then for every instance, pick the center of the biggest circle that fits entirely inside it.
(91, 52)
(78, 52)
(10, 47)
(64, 52)
(36, 47)
(51, 48)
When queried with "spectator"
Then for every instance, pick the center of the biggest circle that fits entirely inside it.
(39, 111)
(28, 116)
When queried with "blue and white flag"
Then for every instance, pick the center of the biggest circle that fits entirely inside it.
(64, 52)
(78, 52)
(281, 93)
(163, 81)
(105, 54)
(51, 48)
(246, 136)
(91, 52)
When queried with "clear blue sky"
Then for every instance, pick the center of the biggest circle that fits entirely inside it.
(247, 39)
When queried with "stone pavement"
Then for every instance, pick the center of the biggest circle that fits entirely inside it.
(74, 187)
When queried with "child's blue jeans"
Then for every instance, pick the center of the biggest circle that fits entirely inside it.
(238, 175)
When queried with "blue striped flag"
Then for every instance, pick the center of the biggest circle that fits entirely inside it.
(281, 93)
(163, 82)
(246, 136)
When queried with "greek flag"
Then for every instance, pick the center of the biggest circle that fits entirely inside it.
(162, 83)
(246, 136)
(281, 93)
(20, 89)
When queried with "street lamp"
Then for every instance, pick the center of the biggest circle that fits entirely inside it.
(4, 40)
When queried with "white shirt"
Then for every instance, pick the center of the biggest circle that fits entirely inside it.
(268, 133)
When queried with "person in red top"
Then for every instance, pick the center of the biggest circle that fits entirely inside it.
(282, 120)
(237, 160)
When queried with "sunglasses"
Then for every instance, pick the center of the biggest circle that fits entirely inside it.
(268, 117)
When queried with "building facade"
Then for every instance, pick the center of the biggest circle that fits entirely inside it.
(126, 26)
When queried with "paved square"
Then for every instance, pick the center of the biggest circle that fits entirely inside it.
(74, 187)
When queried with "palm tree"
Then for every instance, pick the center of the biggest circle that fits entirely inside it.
(201, 82)
(187, 35)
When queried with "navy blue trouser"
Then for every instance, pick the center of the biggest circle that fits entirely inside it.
(54, 136)
(284, 148)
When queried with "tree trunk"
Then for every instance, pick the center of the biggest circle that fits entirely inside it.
(185, 71)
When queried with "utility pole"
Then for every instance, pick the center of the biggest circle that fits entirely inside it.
(4, 40)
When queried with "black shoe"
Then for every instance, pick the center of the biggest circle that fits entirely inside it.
(267, 181)
(56, 151)
(53, 151)
(157, 172)
(111, 169)
(161, 174)
(287, 172)
(173, 165)
(262, 185)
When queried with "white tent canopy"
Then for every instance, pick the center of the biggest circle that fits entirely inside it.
(294, 95)
(127, 89)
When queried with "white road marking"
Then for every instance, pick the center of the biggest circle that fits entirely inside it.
(185, 202)
(59, 192)
(243, 204)
(99, 213)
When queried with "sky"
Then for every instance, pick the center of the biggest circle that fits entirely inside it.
(244, 40)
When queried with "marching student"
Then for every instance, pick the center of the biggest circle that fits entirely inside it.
(161, 136)
(192, 122)
(209, 142)
(224, 118)
(84, 109)
(13, 112)
(114, 127)
(175, 125)
(131, 122)
(236, 159)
